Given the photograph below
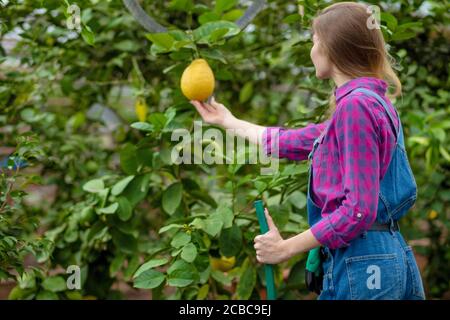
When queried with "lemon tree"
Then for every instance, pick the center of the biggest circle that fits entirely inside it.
(103, 103)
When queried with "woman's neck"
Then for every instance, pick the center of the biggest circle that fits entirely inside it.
(340, 78)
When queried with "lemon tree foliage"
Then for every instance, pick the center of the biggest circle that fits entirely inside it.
(91, 112)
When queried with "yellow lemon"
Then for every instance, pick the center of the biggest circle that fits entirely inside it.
(197, 80)
(223, 263)
(49, 41)
(432, 215)
(141, 109)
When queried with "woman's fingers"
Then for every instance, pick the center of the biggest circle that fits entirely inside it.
(200, 108)
(213, 102)
(269, 219)
(209, 107)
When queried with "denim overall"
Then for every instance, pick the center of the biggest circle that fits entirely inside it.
(378, 264)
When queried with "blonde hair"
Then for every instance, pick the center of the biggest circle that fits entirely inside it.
(354, 48)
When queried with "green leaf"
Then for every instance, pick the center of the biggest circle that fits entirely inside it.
(297, 274)
(94, 186)
(208, 17)
(180, 239)
(181, 274)
(189, 252)
(125, 209)
(221, 277)
(131, 267)
(246, 283)
(294, 169)
(179, 279)
(260, 186)
(202, 196)
(116, 264)
(128, 159)
(213, 54)
(125, 242)
(224, 5)
(292, 18)
(213, 224)
(230, 241)
(403, 35)
(97, 231)
(126, 45)
(137, 189)
(390, 20)
(226, 214)
(233, 15)
(198, 223)
(158, 120)
(179, 35)
(171, 198)
(143, 126)
(203, 33)
(181, 5)
(224, 75)
(218, 34)
(164, 40)
(170, 227)
(203, 292)
(46, 295)
(149, 279)
(109, 209)
(150, 264)
(246, 92)
(297, 199)
(88, 35)
(145, 157)
(415, 26)
(73, 295)
(121, 185)
(445, 154)
(54, 284)
(71, 235)
(280, 214)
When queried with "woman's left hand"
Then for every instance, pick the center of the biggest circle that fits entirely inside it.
(270, 246)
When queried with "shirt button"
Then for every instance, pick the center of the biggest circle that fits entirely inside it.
(359, 215)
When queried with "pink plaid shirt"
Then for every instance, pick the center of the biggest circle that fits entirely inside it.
(349, 163)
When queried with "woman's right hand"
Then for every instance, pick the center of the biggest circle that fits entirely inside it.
(213, 112)
(217, 113)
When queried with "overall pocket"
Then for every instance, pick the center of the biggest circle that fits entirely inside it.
(374, 277)
(327, 292)
(415, 285)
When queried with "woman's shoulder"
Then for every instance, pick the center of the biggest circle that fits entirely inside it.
(355, 105)
(358, 105)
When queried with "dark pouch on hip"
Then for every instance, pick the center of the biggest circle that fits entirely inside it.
(314, 271)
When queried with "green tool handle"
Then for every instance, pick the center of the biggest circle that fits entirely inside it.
(268, 269)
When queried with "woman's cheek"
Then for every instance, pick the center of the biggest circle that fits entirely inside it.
(313, 55)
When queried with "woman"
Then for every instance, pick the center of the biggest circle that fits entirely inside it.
(360, 181)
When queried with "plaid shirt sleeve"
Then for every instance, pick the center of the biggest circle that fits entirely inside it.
(358, 144)
(293, 144)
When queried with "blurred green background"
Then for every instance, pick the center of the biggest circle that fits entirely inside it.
(81, 186)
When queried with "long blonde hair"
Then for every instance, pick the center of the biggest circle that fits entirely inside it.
(354, 48)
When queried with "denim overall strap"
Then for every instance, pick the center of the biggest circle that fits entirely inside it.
(399, 136)
(314, 212)
(399, 131)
